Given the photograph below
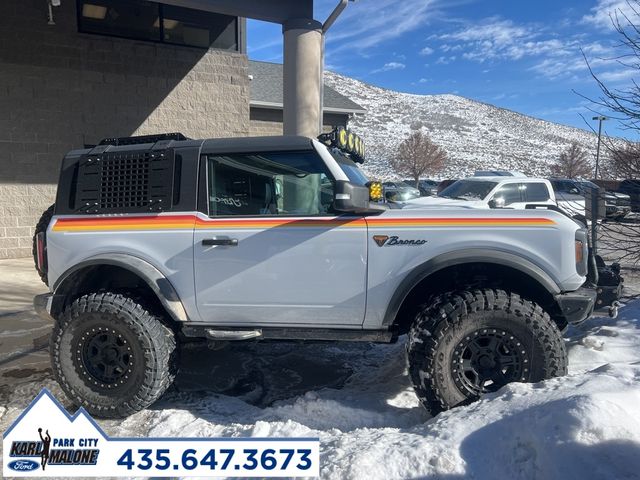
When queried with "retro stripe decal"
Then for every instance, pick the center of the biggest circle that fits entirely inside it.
(460, 222)
(189, 222)
(103, 224)
(259, 223)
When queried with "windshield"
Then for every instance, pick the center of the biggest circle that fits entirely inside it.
(468, 190)
(565, 186)
(351, 170)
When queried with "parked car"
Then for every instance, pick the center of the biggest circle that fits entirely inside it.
(493, 192)
(570, 193)
(445, 183)
(504, 192)
(428, 188)
(399, 192)
(498, 173)
(631, 188)
(617, 205)
(574, 191)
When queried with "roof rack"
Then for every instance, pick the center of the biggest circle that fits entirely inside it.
(142, 139)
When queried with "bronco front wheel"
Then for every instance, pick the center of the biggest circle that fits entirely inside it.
(112, 356)
(465, 344)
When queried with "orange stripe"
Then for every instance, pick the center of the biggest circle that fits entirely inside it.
(174, 222)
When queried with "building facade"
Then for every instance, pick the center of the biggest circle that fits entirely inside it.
(266, 98)
(105, 68)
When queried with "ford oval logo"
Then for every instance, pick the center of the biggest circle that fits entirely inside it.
(23, 465)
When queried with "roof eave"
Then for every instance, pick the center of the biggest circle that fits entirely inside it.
(278, 106)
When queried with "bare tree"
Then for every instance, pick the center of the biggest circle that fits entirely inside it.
(625, 161)
(418, 156)
(572, 163)
(621, 241)
(623, 103)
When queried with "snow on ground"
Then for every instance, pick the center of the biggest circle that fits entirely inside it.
(358, 399)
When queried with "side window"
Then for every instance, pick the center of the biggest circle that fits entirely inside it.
(292, 183)
(536, 192)
(510, 192)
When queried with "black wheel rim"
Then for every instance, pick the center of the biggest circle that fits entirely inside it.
(104, 357)
(487, 359)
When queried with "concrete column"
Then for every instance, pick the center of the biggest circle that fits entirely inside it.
(301, 95)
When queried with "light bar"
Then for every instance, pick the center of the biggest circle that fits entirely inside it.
(345, 141)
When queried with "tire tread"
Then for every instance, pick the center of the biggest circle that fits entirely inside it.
(161, 356)
(446, 312)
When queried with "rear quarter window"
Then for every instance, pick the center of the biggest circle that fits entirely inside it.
(536, 192)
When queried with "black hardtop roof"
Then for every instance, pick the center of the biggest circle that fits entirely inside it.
(213, 145)
(256, 144)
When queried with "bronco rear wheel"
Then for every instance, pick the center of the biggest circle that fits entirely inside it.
(465, 344)
(112, 356)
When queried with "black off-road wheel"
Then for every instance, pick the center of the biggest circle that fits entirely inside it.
(465, 344)
(111, 356)
(41, 226)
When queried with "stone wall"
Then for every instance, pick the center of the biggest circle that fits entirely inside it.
(20, 209)
(60, 89)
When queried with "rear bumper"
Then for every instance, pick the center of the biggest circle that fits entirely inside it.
(577, 306)
(42, 306)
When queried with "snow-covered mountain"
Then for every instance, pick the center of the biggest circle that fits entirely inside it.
(475, 135)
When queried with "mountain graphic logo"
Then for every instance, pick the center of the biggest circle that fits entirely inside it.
(380, 239)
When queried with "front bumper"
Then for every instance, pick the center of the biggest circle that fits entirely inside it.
(616, 211)
(577, 306)
(42, 305)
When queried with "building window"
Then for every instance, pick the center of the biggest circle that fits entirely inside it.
(142, 20)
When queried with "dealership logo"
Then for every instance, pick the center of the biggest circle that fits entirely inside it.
(46, 441)
(63, 453)
(23, 465)
(394, 241)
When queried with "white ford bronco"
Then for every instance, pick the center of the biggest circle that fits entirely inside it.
(156, 241)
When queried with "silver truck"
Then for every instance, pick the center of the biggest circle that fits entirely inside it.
(157, 241)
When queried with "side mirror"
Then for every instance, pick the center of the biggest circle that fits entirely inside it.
(350, 198)
(497, 202)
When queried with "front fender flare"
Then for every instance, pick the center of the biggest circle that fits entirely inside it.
(153, 277)
(445, 260)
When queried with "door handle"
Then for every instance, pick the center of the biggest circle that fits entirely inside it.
(227, 242)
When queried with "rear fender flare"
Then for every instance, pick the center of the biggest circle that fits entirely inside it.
(153, 277)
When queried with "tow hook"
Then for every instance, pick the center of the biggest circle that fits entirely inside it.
(613, 309)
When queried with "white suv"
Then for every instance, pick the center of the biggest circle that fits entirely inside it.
(493, 192)
(502, 192)
(284, 238)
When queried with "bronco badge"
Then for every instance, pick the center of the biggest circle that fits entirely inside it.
(393, 241)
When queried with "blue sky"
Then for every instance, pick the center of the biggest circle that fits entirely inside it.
(522, 55)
